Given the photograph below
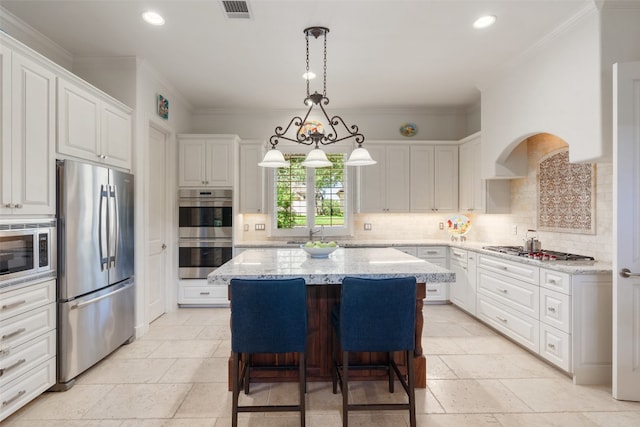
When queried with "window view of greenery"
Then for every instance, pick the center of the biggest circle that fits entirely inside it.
(294, 186)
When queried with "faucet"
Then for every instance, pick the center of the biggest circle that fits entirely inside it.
(321, 231)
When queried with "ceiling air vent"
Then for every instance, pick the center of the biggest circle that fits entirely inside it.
(236, 9)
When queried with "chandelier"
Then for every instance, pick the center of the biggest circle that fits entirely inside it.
(311, 132)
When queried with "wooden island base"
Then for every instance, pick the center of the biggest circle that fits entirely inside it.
(320, 301)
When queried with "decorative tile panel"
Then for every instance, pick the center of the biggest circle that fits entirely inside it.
(566, 194)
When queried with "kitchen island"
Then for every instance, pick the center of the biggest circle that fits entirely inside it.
(323, 277)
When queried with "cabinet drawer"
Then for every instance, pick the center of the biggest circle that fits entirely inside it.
(18, 360)
(27, 387)
(554, 346)
(555, 280)
(459, 255)
(514, 293)
(526, 273)
(24, 327)
(411, 250)
(519, 327)
(18, 301)
(432, 252)
(203, 295)
(437, 292)
(555, 309)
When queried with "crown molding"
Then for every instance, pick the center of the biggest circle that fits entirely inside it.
(143, 64)
(343, 111)
(23, 32)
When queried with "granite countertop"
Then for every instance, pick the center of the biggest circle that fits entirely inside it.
(286, 263)
(570, 267)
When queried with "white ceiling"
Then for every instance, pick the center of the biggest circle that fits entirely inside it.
(381, 54)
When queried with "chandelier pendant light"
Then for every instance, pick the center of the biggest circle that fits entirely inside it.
(302, 130)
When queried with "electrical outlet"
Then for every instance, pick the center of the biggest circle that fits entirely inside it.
(514, 230)
(259, 226)
(441, 225)
(367, 226)
(246, 227)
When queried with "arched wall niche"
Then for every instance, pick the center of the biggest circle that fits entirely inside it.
(513, 161)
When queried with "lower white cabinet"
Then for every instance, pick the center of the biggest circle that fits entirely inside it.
(199, 292)
(436, 292)
(462, 292)
(564, 318)
(27, 344)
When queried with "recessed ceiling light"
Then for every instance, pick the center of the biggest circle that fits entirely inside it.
(153, 18)
(485, 21)
(309, 75)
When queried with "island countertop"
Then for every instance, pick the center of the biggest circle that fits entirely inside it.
(354, 262)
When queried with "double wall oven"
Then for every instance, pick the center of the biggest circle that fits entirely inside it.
(205, 227)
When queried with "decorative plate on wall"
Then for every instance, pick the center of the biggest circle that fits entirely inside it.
(408, 129)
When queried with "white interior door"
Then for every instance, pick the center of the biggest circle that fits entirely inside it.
(626, 286)
(157, 223)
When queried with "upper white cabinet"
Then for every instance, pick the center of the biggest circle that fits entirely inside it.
(251, 177)
(92, 126)
(27, 135)
(206, 160)
(478, 195)
(384, 187)
(434, 178)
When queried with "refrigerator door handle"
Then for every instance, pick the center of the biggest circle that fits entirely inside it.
(102, 225)
(113, 227)
(100, 298)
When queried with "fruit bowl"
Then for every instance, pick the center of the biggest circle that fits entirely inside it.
(317, 251)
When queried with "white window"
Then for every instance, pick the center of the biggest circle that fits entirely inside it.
(311, 198)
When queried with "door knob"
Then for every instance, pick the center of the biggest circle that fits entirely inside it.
(625, 272)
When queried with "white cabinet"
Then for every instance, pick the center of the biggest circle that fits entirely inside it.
(436, 292)
(462, 292)
(251, 177)
(434, 178)
(92, 126)
(28, 344)
(199, 292)
(384, 187)
(27, 114)
(564, 318)
(476, 194)
(206, 160)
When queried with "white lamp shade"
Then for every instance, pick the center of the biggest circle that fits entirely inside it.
(274, 159)
(316, 159)
(360, 157)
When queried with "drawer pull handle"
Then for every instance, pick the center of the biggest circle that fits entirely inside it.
(13, 304)
(552, 281)
(432, 252)
(553, 346)
(432, 290)
(17, 396)
(551, 309)
(14, 333)
(504, 291)
(10, 367)
(502, 319)
(504, 267)
(205, 293)
(5, 352)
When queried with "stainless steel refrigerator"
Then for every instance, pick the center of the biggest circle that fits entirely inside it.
(96, 287)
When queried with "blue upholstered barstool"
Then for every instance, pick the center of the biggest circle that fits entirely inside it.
(375, 315)
(267, 316)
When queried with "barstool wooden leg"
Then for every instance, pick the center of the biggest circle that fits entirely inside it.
(302, 388)
(390, 368)
(412, 389)
(236, 390)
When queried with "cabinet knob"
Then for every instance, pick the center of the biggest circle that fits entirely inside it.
(164, 246)
(9, 205)
(18, 206)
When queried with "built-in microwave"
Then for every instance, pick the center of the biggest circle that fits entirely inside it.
(26, 249)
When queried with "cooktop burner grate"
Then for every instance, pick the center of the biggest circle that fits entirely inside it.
(543, 254)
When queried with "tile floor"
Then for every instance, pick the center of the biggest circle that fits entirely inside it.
(176, 375)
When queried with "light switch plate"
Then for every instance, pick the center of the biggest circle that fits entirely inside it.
(259, 226)
(367, 226)
(246, 227)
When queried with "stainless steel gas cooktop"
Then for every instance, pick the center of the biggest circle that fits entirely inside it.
(544, 255)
